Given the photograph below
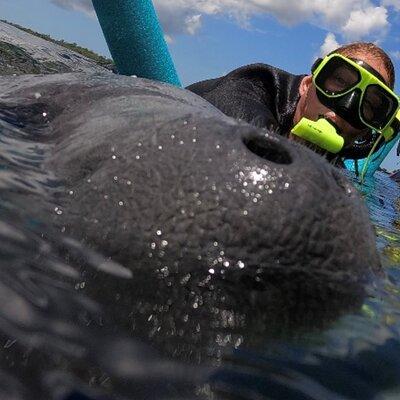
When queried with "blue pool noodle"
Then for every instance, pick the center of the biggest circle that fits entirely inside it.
(135, 39)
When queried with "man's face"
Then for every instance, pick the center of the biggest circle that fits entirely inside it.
(310, 107)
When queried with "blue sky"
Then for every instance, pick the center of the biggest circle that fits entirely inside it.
(208, 38)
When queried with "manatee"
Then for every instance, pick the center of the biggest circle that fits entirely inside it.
(140, 227)
(216, 228)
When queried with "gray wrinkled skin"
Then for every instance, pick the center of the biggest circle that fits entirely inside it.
(213, 223)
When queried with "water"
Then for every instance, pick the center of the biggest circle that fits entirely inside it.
(66, 332)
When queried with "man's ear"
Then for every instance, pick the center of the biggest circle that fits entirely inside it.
(305, 84)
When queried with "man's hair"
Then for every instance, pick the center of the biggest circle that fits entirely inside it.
(371, 49)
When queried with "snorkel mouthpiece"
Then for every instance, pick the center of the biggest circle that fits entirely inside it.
(321, 133)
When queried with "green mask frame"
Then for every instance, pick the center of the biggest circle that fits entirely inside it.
(336, 78)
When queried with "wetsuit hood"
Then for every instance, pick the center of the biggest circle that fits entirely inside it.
(260, 94)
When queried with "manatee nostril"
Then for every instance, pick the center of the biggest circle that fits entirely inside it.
(267, 149)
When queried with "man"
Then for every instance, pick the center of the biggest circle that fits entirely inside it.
(268, 97)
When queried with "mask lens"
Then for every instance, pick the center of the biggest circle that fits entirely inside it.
(337, 76)
(377, 106)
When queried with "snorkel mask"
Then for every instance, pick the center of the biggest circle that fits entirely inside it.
(355, 92)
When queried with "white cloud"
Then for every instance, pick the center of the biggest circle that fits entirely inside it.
(84, 6)
(356, 19)
(365, 22)
(193, 23)
(329, 45)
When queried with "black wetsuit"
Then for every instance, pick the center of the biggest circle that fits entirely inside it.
(260, 94)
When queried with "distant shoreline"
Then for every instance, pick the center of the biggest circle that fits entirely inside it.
(97, 58)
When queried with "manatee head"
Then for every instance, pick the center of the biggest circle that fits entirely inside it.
(223, 227)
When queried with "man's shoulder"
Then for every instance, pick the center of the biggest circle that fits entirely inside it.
(258, 73)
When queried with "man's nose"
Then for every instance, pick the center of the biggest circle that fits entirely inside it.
(332, 116)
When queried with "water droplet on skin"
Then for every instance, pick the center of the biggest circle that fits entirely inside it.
(137, 157)
(164, 243)
(58, 211)
(153, 245)
(106, 196)
(115, 178)
(194, 140)
(129, 183)
(181, 142)
(37, 95)
(194, 128)
(114, 157)
(121, 203)
(215, 244)
(44, 114)
(185, 279)
(286, 185)
(71, 192)
(255, 200)
(165, 271)
(140, 144)
(159, 233)
(133, 76)
(159, 147)
(217, 146)
(240, 264)
(226, 264)
(89, 180)
(172, 136)
(185, 122)
(63, 229)
(211, 271)
(245, 212)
